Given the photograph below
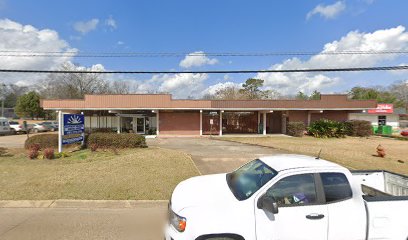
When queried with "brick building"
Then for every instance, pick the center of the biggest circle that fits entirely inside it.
(160, 114)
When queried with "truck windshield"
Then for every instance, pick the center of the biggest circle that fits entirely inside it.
(248, 179)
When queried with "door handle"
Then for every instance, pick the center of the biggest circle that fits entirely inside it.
(314, 216)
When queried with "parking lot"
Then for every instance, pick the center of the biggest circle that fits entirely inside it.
(14, 141)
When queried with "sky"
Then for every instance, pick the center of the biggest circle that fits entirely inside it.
(211, 26)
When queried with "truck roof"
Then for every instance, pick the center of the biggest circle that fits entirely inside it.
(292, 161)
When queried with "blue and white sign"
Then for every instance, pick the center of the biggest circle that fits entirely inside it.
(72, 140)
(74, 124)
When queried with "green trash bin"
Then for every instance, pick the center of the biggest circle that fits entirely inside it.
(385, 130)
(375, 129)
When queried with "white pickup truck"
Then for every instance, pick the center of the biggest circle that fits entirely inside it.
(290, 197)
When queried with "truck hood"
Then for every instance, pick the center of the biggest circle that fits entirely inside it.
(203, 190)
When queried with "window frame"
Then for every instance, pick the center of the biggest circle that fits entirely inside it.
(324, 194)
(320, 197)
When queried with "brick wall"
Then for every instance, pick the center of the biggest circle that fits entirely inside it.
(179, 123)
(339, 116)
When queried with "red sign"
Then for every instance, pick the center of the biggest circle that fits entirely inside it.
(382, 108)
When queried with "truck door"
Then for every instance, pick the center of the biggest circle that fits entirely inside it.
(347, 214)
(302, 214)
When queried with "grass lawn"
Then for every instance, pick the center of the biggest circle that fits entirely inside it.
(354, 153)
(148, 174)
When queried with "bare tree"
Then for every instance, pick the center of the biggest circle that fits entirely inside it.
(400, 90)
(120, 87)
(73, 85)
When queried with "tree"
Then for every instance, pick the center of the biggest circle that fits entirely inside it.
(315, 95)
(28, 105)
(11, 94)
(301, 96)
(251, 88)
(400, 90)
(381, 95)
(73, 85)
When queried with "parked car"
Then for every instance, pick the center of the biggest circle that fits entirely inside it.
(404, 133)
(16, 127)
(4, 127)
(39, 127)
(53, 126)
(290, 197)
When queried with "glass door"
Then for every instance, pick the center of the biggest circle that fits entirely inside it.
(140, 125)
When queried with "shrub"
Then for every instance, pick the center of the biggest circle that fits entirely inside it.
(325, 128)
(43, 141)
(62, 155)
(295, 129)
(94, 147)
(359, 128)
(32, 153)
(103, 130)
(49, 153)
(114, 140)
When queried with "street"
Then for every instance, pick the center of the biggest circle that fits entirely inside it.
(84, 220)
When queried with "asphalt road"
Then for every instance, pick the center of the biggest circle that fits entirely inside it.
(142, 221)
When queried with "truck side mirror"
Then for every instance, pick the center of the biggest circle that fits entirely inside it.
(268, 203)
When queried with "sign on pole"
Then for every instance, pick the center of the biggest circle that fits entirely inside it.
(73, 124)
(70, 124)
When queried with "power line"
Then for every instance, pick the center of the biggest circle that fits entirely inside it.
(21, 53)
(357, 69)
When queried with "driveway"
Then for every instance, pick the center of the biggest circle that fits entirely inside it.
(212, 155)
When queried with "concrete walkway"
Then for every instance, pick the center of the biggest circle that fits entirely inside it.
(212, 155)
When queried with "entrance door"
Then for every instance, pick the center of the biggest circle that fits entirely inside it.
(300, 215)
(139, 127)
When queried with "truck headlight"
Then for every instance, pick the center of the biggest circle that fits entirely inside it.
(178, 222)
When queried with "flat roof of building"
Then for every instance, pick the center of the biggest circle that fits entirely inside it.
(165, 101)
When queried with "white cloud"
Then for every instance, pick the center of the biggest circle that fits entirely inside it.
(86, 26)
(111, 23)
(381, 40)
(197, 59)
(180, 85)
(213, 89)
(328, 11)
(26, 38)
(120, 43)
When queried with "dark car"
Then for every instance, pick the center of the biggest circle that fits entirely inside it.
(404, 133)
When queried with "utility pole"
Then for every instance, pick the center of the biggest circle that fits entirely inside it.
(2, 97)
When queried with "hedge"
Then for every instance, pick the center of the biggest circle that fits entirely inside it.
(325, 128)
(42, 140)
(359, 128)
(115, 140)
(295, 129)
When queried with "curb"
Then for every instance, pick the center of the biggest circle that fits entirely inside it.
(66, 203)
